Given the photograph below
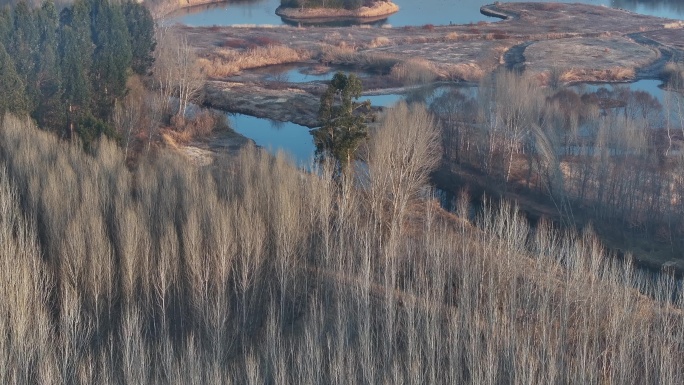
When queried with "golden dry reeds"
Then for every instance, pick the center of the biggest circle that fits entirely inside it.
(414, 71)
(614, 74)
(465, 71)
(228, 62)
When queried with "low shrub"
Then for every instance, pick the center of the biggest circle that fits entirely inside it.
(379, 41)
(465, 71)
(414, 71)
(673, 75)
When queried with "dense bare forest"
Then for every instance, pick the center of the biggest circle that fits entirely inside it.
(608, 156)
(251, 271)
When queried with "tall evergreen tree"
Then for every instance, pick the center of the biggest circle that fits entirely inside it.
(12, 97)
(75, 60)
(343, 121)
(6, 25)
(23, 49)
(74, 76)
(111, 58)
(48, 112)
(141, 31)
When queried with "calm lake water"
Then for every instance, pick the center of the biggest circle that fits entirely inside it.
(412, 12)
(273, 136)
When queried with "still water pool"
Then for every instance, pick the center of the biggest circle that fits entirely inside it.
(294, 140)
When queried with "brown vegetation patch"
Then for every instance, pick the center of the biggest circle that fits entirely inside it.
(414, 71)
(465, 60)
(286, 104)
(589, 59)
(227, 62)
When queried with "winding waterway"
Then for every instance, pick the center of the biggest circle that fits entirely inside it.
(412, 12)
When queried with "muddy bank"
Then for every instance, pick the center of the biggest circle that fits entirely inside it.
(379, 10)
(285, 104)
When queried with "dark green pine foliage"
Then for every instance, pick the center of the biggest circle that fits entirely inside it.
(111, 58)
(75, 58)
(6, 25)
(141, 31)
(12, 97)
(49, 112)
(74, 77)
(68, 70)
(23, 49)
(343, 121)
(89, 128)
(75, 54)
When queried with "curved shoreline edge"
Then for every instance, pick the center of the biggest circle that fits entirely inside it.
(379, 9)
(492, 10)
(162, 11)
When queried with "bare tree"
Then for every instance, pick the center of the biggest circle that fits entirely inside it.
(128, 115)
(176, 71)
(191, 78)
(402, 153)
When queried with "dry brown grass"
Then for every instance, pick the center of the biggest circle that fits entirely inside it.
(465, 71)
(349, 55)
(673, 73)
(227, 62)
(674, 25)
(200, 125)
(452, 36)
(337, 51)
(614, 74)
(414, 71)
(172, 138)
(379, 41)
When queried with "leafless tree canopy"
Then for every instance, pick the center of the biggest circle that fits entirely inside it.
(250, 271)
(609, 156)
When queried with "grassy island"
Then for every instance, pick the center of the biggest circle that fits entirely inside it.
(334, 9)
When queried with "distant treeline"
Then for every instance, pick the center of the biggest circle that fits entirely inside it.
(67, 69)
(347, 4)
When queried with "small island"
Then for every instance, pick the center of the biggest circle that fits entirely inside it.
(322, 10)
